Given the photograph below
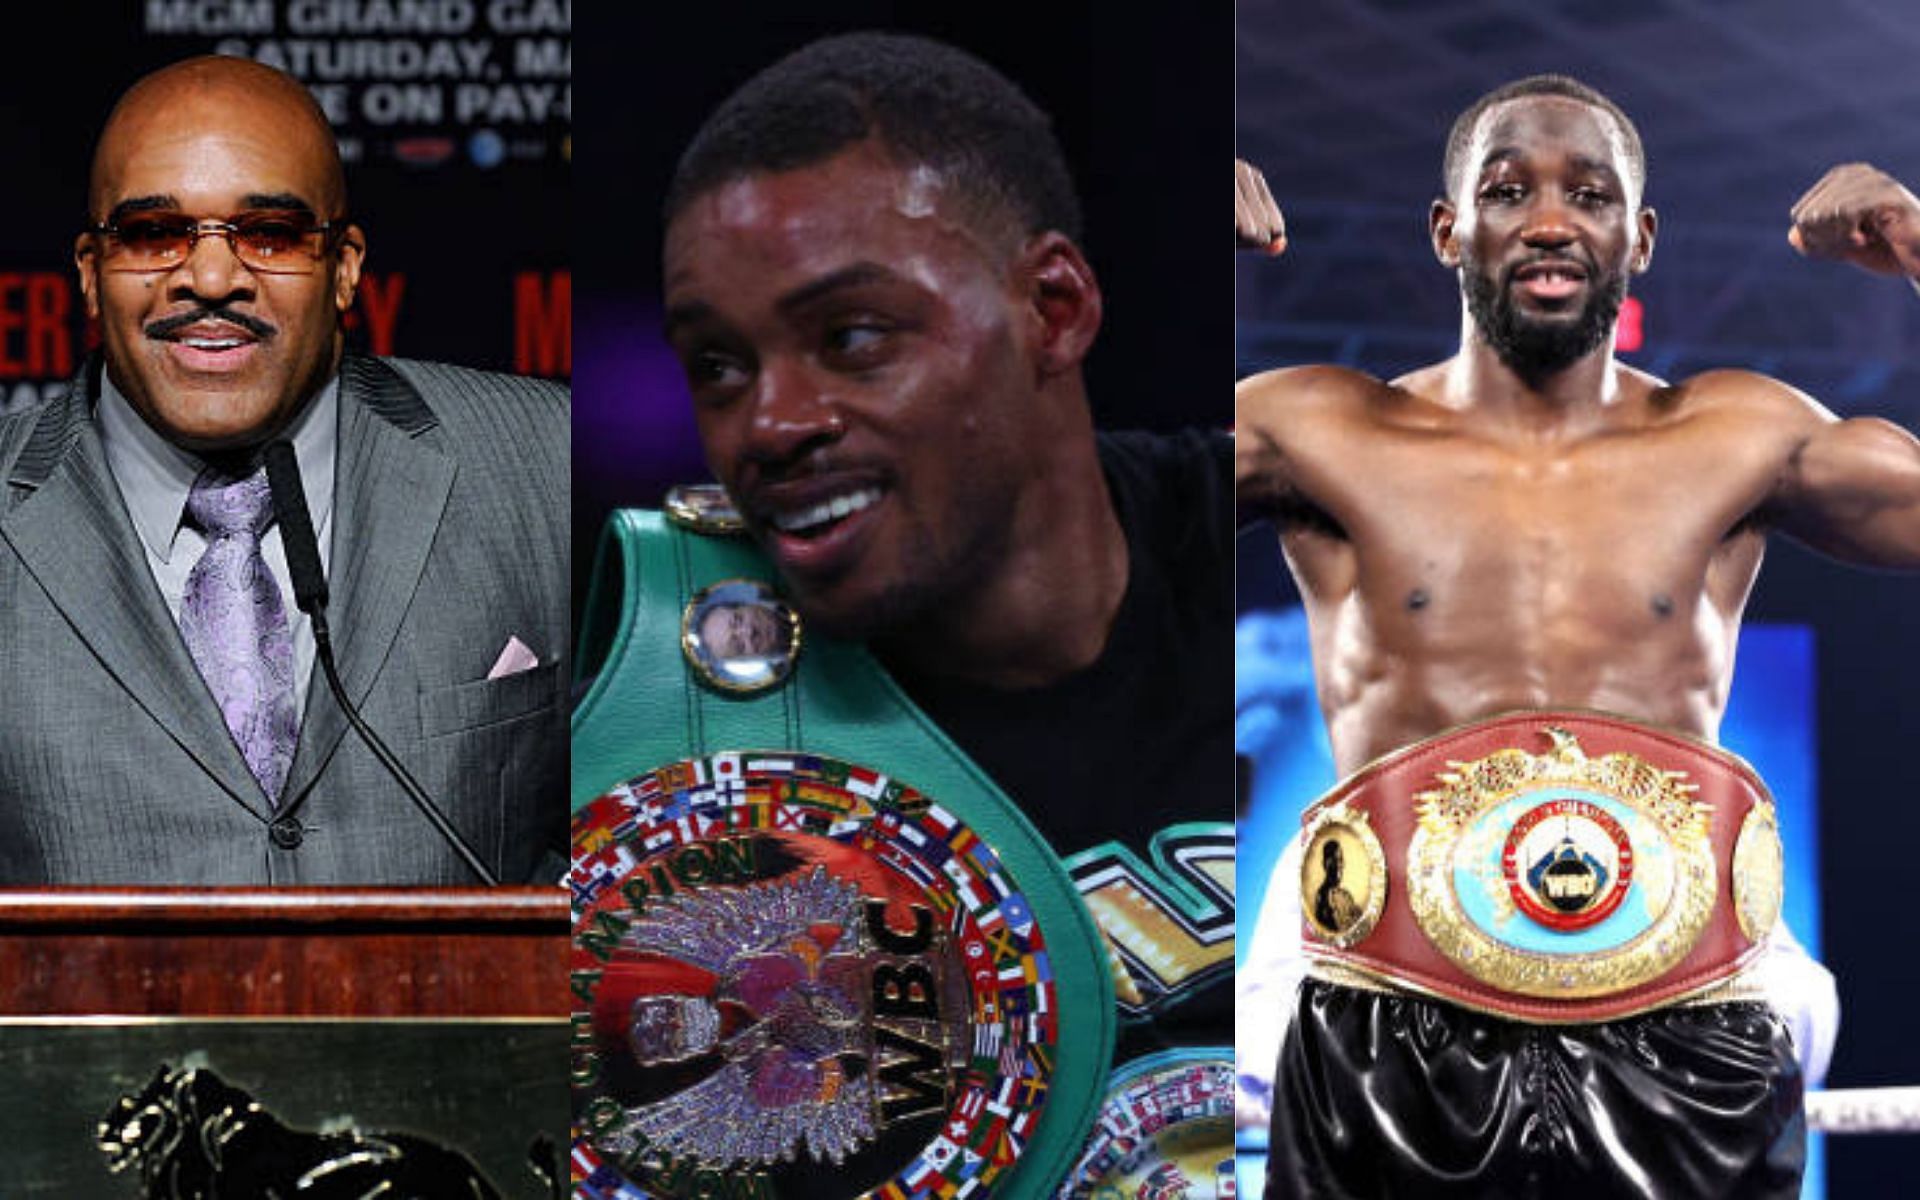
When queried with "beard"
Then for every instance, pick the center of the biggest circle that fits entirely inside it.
(1530, 347)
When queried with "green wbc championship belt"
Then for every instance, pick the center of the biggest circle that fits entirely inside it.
(817, 952)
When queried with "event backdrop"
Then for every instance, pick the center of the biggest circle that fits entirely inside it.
(454, 118)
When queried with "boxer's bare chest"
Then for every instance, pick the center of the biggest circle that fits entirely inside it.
(1449, 570)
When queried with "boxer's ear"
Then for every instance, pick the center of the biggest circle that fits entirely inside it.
(1063, 298)
(1647, 224)
(1440, 229)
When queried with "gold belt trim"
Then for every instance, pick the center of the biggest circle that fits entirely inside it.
(1554, 867)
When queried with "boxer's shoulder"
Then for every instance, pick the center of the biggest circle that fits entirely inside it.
(1320, 382)
(1741, 398)
(1297, 395)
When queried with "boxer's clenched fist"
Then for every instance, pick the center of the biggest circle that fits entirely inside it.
(1861, 215)
(1257, 224)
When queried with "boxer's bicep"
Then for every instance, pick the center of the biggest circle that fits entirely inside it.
(1852, 490)
(1262, 480)
(1296, 430)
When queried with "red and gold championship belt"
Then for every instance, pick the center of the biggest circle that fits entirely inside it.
(1551, 867)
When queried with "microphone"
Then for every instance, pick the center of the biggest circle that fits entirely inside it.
(310, 594)
(296, 533)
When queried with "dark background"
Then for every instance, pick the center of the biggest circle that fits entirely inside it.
(1141, 108)
(1742, 106)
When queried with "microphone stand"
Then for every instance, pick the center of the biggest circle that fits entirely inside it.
(310, 594)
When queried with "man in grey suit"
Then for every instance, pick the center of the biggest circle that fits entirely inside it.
(164, 719)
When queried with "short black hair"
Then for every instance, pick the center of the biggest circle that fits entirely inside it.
(1539, 85)
(925, 101)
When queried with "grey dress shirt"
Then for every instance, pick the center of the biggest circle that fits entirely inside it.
(154, 477)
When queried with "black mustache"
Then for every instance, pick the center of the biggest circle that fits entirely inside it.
(166, 327)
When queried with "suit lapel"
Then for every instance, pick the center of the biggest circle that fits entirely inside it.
(70, 529)
(390, 492)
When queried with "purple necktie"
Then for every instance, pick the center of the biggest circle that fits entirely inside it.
(235, 624)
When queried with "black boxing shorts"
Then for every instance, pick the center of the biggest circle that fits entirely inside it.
(1391, 1095)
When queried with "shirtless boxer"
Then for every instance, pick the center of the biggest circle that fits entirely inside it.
(1533, 525)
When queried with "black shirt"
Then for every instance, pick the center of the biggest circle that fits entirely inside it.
(1139, 745)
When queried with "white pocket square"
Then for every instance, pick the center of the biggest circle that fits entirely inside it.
(514, 658)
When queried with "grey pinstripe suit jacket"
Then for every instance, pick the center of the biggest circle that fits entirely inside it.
(451, 535)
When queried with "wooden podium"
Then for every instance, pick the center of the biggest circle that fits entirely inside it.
(441, 1014)
(284, 952)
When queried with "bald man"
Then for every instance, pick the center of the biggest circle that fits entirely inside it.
(165, 722)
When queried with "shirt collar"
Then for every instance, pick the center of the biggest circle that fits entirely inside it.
(155, 476)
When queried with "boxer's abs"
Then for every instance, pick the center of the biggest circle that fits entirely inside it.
(1406, 652)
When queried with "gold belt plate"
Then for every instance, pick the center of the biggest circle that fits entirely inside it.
(1561, 876)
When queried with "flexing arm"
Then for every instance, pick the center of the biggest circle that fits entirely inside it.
(1259, 467)
(1261, 484)
(1852, 488)
(1289, 427)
